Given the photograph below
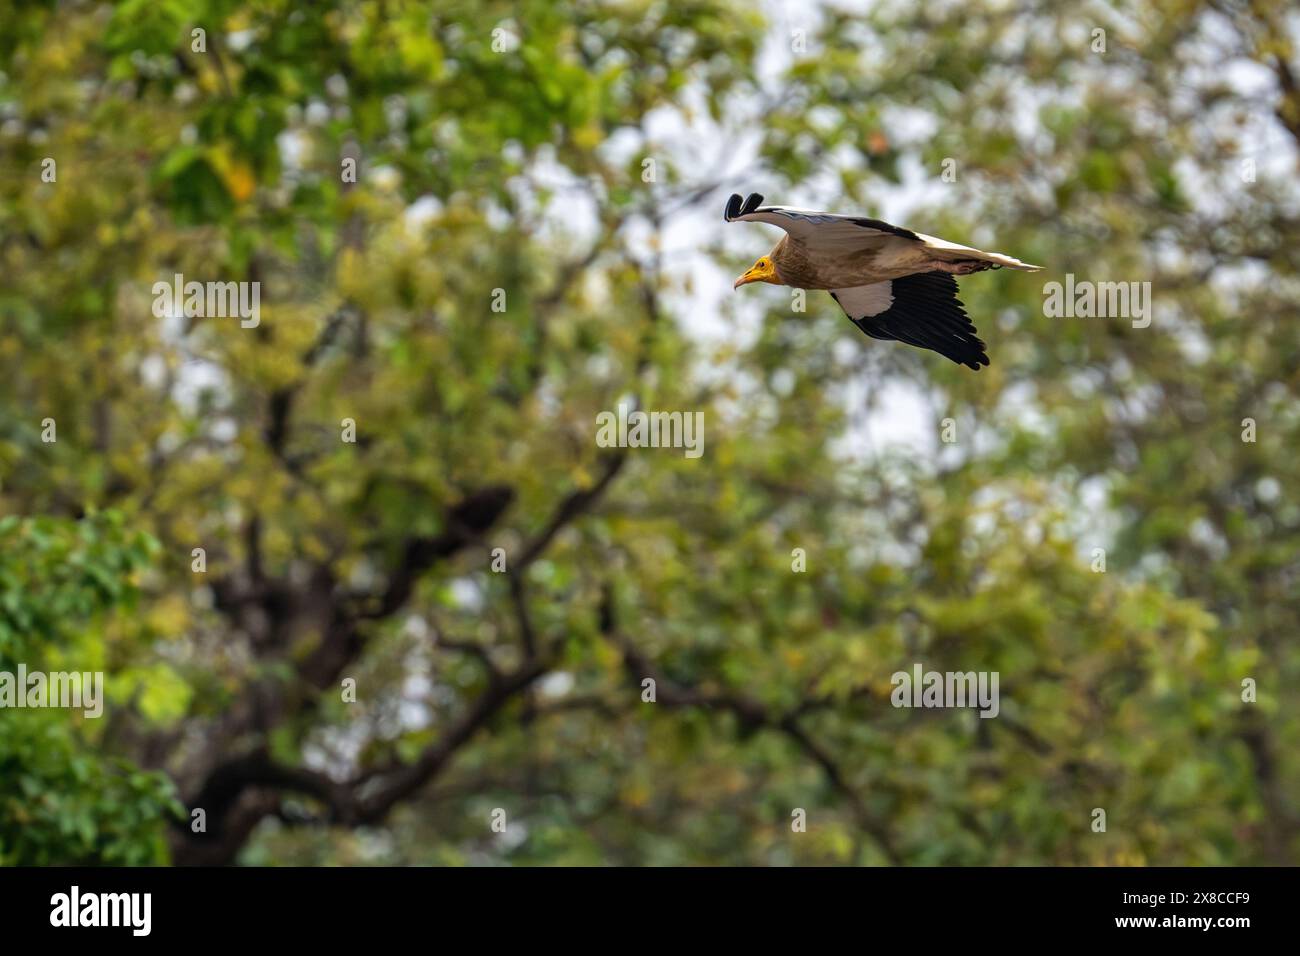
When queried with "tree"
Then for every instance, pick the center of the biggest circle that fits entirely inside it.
(65, 800)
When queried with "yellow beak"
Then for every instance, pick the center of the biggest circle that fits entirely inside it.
(755, 274)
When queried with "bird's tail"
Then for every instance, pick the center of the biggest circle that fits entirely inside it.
(946, 251)
(1009, 261)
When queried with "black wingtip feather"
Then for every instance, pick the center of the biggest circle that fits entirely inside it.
(733, 207)
(927, 314)
(751, 204)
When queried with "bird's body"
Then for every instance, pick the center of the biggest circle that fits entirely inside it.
(888, 258)
(893, 283)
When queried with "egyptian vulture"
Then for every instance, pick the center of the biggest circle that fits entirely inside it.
(891, 282)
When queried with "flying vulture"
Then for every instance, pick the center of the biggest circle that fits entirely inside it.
(892, 283)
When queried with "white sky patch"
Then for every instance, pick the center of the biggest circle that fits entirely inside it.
(467, 595)
(294, 146)
(555, 685)
(153, 371)
(1268, 489)
(197, 378)
(421, 213)
(893, 415)
(223, 429)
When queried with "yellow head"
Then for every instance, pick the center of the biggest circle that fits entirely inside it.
(761, 271)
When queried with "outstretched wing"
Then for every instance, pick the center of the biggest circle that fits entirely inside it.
(825, 232)
(921, 310)
(816, 231)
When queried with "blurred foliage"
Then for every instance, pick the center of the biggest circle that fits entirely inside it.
(65, 800)
(519, 168)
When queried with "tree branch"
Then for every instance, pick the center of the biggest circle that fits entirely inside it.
(753, 715)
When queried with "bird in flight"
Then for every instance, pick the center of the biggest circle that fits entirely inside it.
(891, 282)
